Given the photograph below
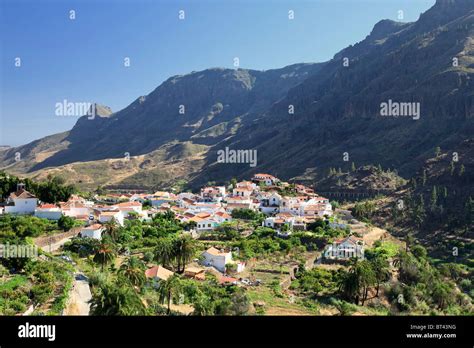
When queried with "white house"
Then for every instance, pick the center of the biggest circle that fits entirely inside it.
(21, 201)
(216, 258)
(92, 231)
(269, 203)
(222, 216)
(75, 209)
(48, 211)
(213, 193)
(266, 179)
(238, 200)
(129, 207)
(204, 222)
(244, 191)
(109, 215)
(344, 249)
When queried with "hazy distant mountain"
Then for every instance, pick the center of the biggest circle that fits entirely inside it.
(336, 110)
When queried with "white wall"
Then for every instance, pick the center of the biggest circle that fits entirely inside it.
(218, 262)
(48, 214)
(96, 234)
(22, 206)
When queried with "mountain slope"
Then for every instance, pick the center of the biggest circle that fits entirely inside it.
(337, 112)
(338, 109)
(214, 103)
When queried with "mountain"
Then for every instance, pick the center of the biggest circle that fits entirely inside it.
(183, 116)
(437, 205)
(337, 113)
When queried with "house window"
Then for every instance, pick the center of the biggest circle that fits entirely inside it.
(208, 225)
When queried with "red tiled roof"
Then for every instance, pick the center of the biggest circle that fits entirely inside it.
(128, 204)
(159, 272)
(47, 206)
(21, 194)
(224, 280)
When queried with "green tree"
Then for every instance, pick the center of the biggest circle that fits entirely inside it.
(167, 289)
(111, 229)
(104, 255)
(113, 299)
(437, 151)
(65, 222)
(381, 268)
(134, 271)
(165, 252)
(185, 247)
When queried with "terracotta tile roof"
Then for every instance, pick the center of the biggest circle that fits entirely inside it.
(263, 175)
(47, 206)
(223, 215)
(203, 215)
(158, 272)
(194, 270)
(109, 213)
(128, 204)
(21, 194)
(226, 280)
(215, 252)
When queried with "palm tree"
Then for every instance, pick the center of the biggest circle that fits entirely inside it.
(185, 249)
(104, 255)
(166, 290)
(165, 251)
(111, 229)
(357, 281)
(350, 285)
(134, 271)
(367, 278)
(380, 266)
(112, 299)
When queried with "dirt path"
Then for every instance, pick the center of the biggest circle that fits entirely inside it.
(374, 234)
(54, 242)
(79, 297)
(56, 246)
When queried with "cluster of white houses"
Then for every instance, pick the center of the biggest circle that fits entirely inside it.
(206, 210)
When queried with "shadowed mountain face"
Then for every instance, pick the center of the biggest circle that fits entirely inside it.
(337, 108)
(204, 107)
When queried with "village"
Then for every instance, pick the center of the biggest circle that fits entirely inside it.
(204, 211)
(273, 205)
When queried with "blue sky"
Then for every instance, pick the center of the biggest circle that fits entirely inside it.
(83, 59)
